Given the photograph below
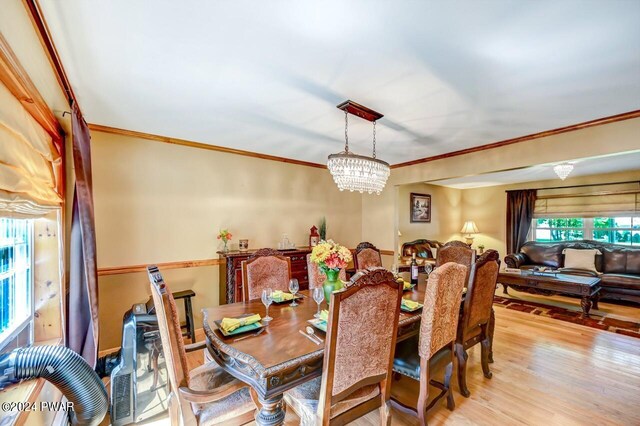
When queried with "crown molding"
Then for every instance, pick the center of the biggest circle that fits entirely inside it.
(200, 145)
(597, 122)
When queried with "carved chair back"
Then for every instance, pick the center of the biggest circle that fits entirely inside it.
(367, 256)
(317, 277)
(457, 252)
(361, 339)
(266, 268)
(172, 342)
(479, 299)
(442, 300)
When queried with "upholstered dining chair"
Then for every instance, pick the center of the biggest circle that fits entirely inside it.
(206, 395)
(367, 256)
(317, 277)
(265, 268)
(434, 347)
(358, 354)
(477, 316)
(457, 252)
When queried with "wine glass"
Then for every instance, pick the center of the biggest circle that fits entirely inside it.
(394, 270)
(318, 296)
(428, 268)
(267, 299)
(293, 288)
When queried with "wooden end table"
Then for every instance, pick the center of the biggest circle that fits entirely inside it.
(588, 288)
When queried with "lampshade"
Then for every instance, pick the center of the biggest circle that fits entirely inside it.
(469, 227)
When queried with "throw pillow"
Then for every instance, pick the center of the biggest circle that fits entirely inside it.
(580, 259)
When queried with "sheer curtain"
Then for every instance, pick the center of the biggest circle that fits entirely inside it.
(520, 207)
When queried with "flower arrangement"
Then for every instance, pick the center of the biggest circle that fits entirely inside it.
(225, 236)
(330, 256)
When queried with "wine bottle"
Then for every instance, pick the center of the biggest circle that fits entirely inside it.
(414, 270)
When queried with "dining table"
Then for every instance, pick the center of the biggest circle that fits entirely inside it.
(280, 357)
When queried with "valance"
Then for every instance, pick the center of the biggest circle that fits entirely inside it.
(27, 162)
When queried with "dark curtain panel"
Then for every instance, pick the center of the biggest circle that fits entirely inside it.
(520, 205)
(82, 307)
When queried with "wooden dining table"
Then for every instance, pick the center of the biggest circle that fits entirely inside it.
(281, 358)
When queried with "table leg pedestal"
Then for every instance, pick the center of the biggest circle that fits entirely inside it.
(272, 411)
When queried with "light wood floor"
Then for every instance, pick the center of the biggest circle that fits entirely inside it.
(545, 372)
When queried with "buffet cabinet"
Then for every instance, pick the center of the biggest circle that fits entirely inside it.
(231, 271)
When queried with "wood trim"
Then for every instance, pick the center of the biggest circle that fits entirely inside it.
(16, 79)
(42, 29)
(117, 270)
(200, 145)
(597, 122)
(129, 269)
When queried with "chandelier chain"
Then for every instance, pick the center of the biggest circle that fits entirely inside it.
(374, 139)
(346, 131)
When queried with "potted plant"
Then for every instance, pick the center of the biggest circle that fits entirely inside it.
(330, 258)
(481, 248)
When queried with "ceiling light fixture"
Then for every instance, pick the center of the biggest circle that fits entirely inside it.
(563, 170)
(358, 172)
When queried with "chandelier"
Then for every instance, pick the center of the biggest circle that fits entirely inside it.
(563, 170)
(358, 172)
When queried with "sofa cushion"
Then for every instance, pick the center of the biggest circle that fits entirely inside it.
(633, 262)
(631, 282)
(580, 259)
(615, 261)
(546, 255)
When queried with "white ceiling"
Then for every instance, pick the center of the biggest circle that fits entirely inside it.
(582, 167)
(266, 76)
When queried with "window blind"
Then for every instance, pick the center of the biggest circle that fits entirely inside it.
(622, 199)
(27, 158)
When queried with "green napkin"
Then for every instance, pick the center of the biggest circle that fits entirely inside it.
(280, 296)
(410, 304)
(324, 315)
(230, 324)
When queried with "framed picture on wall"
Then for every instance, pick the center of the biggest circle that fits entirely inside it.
(420, 207)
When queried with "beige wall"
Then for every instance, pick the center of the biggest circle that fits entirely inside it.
(157, 202)
(488, 206)
(446, 210)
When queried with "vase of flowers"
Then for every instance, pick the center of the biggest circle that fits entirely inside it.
(225, 236)
(330, 258)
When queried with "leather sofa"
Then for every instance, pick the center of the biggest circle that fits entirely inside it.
(618, 266)
(422, 249)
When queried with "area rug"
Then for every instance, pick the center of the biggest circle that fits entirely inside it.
(595, 320)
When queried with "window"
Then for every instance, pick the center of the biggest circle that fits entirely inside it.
(16, 280)
(618, 230)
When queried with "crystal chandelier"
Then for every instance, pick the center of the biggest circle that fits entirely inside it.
(563, 170)
(358, 172)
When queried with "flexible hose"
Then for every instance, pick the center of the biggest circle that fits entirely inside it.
(65, 369)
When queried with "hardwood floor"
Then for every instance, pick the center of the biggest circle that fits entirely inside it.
(545, 372)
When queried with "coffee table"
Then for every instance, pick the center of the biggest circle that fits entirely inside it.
(588, 288)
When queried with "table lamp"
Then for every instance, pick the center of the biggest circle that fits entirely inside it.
(468, 229)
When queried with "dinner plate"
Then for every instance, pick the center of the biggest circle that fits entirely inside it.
(409, 288)
(240, 330)
(319, 324)
(406, 309)
(298, 297)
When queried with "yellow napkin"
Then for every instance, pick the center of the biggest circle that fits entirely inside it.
(324, 315)
(406, 284)
(230, 324)
(410, 304)
(280, 296)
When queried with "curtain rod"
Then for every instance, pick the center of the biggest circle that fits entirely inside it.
(577, 186)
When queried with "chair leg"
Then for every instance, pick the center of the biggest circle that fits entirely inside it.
(451, 404)
(462, 370)
(385, 413)
(491, 330)
(423, 397)
(485, 351)
(189, 314)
